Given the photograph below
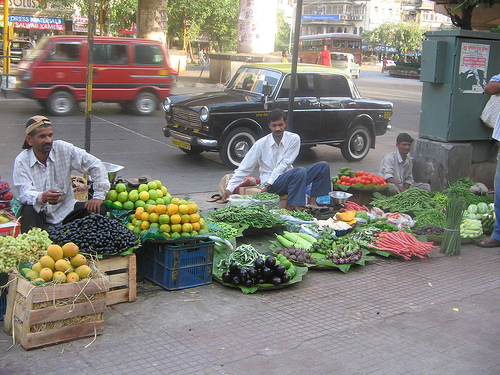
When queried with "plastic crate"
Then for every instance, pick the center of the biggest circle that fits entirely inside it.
(3, 303)
(176, 266)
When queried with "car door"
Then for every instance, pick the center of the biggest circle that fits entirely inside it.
(338, 108)
(306, 108)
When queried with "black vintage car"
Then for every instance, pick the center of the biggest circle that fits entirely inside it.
(328, 109)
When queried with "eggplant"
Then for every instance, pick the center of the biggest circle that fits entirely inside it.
(285, 278)
(266, 272)
(226, 277)
(253, 273)
(259, 263)
(234, 269)
(279, 270)
(276, 280)
(270, 262)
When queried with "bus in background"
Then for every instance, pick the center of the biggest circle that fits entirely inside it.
(310, 45)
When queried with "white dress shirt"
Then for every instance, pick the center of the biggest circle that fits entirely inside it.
(31, 178)
(394, 166)
(273, 159)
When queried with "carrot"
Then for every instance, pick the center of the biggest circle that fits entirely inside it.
(350, 205)
(403, 244)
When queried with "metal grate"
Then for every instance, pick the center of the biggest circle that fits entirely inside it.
(186, 117)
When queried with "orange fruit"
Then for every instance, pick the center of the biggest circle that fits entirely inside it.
(182, 201)
(145, 216)
(175, 201)
(196, 226)
(145, 225)
(165, 228)
(151, 208)
(185, 218)
(176, 228)
(161, 209)
(164, 219)
(138, 212)
(192, 208)
(175, 219)
(202, 222)
(183, 209)
(187, 227)
(172, 209)
(144, 196)
(153, 217)
(194, 218)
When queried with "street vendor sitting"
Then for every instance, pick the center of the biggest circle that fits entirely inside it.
(42, 176)
(274, 154)
(397, 167)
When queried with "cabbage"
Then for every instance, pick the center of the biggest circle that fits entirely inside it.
(482, 208)
(472, 208)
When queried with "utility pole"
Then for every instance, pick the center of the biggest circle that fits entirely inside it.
(90, 74)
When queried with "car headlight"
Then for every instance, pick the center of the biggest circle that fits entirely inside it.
(167, 104)
(204, 114)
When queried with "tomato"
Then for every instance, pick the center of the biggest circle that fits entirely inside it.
(338, 182)
(358, 173)
(367, 173)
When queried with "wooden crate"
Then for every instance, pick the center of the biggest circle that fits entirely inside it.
(45, 315)
(249, 190)
(122, 274)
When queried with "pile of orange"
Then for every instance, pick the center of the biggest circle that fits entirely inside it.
(177, 219)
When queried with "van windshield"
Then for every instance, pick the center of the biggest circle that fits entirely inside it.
(38, 49)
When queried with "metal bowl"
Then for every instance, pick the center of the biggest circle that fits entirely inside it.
(339, 197)
(112, 170)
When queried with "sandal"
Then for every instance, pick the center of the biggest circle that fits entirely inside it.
(221, 201)
(489, 242)
(214, 198)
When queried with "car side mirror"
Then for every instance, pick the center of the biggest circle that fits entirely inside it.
(267, 89)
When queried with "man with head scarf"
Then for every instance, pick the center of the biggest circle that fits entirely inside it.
(42, 176)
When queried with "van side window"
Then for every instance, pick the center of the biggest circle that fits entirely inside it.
(148, 55)
(333, 86)
(65, 52)
(114, 54)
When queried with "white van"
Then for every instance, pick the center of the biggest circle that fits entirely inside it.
(345, 61)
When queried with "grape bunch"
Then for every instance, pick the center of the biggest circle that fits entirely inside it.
(95, 234)
(26, 247)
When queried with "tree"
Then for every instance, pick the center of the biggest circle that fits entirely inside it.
(216, 19)
(117, 11)
(282, 39)
(466, 8)
(405, 37)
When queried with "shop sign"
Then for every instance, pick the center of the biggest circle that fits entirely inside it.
(22, 4)
(39, 23)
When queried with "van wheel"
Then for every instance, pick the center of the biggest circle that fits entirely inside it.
(357, 144)
(145, 104)
(235, 146)
(61, 103)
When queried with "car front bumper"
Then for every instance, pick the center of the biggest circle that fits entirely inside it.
(192, 140)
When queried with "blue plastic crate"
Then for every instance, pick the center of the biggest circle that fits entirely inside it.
(176, 265)
(3, 303)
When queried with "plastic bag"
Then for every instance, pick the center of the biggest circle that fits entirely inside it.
(491, 111)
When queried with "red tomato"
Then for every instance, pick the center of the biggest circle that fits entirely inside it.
(358, 173)
(367, 173)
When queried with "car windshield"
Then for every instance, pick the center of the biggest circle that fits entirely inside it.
(253, 79)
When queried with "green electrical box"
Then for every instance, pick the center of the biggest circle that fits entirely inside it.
(456, 64)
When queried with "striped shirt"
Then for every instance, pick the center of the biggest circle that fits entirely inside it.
(31, 178)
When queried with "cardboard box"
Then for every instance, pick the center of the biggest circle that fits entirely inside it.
(249, 190)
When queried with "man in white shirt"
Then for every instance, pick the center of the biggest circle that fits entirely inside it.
(397, 167)
(42, 176)
(274, 154)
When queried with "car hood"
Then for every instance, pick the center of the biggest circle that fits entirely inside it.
(216, 100)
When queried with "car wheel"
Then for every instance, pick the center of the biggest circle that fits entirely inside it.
(195, 150)
(235, 146)
(357, 144)
(61, 103)
(145, 104)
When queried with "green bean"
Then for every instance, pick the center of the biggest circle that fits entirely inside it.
(255, 216)
(265, 196)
